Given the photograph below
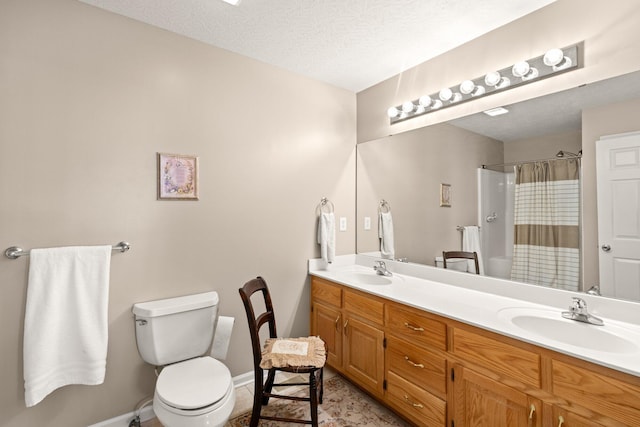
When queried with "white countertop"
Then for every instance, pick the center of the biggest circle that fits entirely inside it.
(484, 302)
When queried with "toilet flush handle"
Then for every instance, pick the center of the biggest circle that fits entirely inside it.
(141, 322)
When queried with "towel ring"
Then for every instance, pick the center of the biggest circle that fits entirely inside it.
(384, 205)
(325, 203)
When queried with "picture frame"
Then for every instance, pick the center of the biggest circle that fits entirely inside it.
(445, 195)
(177, 177)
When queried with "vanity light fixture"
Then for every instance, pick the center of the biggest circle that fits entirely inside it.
(232, 2)
(554, 61)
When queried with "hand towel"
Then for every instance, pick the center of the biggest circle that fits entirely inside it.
(65, 325)
(385, 232)
(471, 243)
(327, 236)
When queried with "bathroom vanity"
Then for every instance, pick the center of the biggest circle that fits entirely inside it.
(459, 355)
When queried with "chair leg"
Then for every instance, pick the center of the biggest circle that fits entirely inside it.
(268, 385)
(257, 398)
(321, 386)
(313, 398)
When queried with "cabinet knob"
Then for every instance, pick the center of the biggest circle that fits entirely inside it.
(560, 421)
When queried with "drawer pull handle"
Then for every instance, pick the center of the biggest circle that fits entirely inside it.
(533, 411)
(413, 328)
(415, 405)
(560, 421)
(415, 365)
(337, 320)
(344, 328)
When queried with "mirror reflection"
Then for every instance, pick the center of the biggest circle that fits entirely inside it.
(409, 170)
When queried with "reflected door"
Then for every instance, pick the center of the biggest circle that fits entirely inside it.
(618, 172)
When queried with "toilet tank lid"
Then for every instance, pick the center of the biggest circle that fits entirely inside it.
(168, 306)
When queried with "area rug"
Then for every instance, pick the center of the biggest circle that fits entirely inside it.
(342, 405)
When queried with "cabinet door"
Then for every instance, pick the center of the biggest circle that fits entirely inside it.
(482, 402)
(326, 323)
(364, 354)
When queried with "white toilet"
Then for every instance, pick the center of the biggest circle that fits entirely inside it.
(193, 389)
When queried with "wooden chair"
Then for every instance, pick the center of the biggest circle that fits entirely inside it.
(263, 388)
(458, 254)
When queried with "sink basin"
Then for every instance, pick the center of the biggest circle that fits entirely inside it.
(551, 325)
(362, 278)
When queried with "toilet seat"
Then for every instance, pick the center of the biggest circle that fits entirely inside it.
(194, 386)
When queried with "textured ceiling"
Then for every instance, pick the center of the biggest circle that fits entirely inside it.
(352, 44)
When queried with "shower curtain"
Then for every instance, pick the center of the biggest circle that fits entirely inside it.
(547, 224)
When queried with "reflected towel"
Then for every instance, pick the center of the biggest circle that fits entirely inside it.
(65, 325)
(327, 236)
(471, 243)
(385, 232)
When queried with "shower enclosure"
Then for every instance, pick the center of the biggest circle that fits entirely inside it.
(496, 192)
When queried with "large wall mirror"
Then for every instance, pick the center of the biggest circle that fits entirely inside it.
(407, 171)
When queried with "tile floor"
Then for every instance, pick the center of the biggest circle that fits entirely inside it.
(244, 397)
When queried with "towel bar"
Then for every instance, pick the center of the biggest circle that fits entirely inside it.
(460, 227)
(15, 252)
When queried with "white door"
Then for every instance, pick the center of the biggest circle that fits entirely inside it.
(618, 174)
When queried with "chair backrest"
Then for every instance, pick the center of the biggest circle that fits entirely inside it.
(459, 254)
(256, 322)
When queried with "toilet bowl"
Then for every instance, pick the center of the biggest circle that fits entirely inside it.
(193, 389)
(500, 266)
(197, 392)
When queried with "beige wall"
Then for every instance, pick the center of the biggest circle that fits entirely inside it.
(610, 32)
(542, 147)
(87, 98)
(407, 170)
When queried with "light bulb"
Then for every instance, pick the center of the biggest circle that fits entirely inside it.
(532, 74)
(467, 86)
(553, 57)
(436, 104)
(457, 97)
(424, 100)
(479, 90)
(445, 94)
(520, 69)
(504, 82)
(393, 112)
(492, 78)
(407, 106)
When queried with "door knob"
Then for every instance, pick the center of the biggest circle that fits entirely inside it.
(606, 248)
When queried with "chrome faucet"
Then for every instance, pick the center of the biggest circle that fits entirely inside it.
(578, 311)
(381, 269)
(594, 290)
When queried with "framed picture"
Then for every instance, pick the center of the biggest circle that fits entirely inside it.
(445, 195)
(177, 177)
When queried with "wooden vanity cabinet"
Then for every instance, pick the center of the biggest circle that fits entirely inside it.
(350, 323)
(439, 372)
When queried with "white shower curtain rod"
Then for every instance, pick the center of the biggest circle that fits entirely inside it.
(562, 155)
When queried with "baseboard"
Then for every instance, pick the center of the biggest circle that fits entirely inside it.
(147, 412)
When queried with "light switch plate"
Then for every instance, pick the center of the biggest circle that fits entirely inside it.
(343, 223)
(367, 223)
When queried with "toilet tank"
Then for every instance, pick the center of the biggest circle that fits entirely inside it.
(175, 329)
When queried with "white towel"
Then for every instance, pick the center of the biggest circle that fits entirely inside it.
(327, 236)
(65, 325)
(385, 232)
(471, 243)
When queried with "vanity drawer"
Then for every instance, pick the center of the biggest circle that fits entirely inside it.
(421, 407)
(327, 292)
(417, 365)
(367, 307)
(500, 357)
(416, 327)
(609, 396)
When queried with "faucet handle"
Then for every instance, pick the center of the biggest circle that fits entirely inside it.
(579, 305)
